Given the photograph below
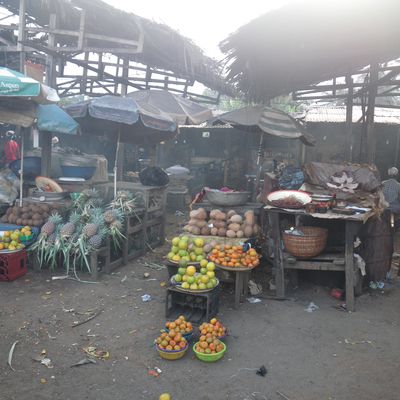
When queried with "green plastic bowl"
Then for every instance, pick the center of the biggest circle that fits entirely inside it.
(209, 357)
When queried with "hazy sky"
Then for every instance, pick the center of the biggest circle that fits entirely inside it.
(207, 22)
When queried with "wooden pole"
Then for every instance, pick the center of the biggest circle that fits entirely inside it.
(21, 35)
(121, 147)
(370, 134)
(349, 119)
(50, 81)
(260, 157)
(396, 155)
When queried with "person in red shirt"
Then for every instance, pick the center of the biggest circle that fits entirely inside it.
(11, 148)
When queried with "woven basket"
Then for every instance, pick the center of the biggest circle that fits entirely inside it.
(308, 246)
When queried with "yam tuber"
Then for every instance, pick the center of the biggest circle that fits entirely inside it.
(214, 231)
(234, 227)
(231, 213)
(213, 213)
(220, 216)
(249, 217)
(222, 232)
(236, 219)
(239, 234)
(248, 231)
(230, 233)
(195, 230)
(205, 230)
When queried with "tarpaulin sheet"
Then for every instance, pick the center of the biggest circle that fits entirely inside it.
(183, 111)
(51, 118)
(268, 120)
(319, 174)
(115, 115)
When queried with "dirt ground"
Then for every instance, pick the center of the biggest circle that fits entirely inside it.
(326, 354)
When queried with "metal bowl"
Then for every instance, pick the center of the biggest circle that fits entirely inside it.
(219, 198)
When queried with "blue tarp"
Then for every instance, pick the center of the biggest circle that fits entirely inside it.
(52, 118)
(113, 114)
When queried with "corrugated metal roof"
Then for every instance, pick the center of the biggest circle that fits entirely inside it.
(337, 114)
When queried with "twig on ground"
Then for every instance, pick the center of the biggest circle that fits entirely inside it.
(282, 395)
(10, 355)
(86, 320)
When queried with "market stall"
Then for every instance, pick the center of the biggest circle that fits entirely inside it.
(319, 225)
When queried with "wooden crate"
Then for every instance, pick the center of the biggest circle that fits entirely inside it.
(154, 197)
(134, 246)
(155, 234)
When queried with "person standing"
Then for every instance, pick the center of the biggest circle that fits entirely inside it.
(11, 149)
(391, 190)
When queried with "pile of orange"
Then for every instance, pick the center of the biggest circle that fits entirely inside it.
(214, 327)
(209, 344)
(171, 341)
(234, 256)
(180, 325)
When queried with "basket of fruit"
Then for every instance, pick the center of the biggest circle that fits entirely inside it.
(189, 280)
(10, 241)
(171, 345)
(214, 327)
(234, 257)
(209, 348)
(181, 326)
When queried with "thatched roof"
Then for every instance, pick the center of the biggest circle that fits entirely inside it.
(310, 41)
(163, 48)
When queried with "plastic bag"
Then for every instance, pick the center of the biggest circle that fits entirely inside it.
(9, 185)
(153, 176)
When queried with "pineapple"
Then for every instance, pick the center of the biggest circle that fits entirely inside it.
(69, 228)
(90, 229)
(51, 239)
(116, 225)
(50, 226)
(111, 216)
(95, 223)
(96, 240)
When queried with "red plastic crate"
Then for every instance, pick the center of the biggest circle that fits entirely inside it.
(13, 265)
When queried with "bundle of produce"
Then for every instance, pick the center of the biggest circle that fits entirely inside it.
(186, 249)
(239, 227)
(180, 325)
(197, 224)
(127, 202)
(31, 213)
(214, 327)
(190, 279)
(171, 341)
(234, 256)
(209, 344)
(85, 229)
(217, 222)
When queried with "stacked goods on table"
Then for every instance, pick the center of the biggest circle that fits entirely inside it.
(172, 343)
(83, 231)
(189, 279)
(187, 250)
(230, 224)
(234, 256)
(31, 213)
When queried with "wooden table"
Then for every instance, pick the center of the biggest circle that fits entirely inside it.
(352, 225)
(242, 276)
